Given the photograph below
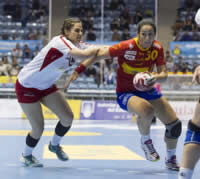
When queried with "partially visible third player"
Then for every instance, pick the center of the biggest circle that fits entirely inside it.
(191, 152)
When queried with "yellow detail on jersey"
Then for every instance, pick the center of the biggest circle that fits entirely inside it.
(154, 54)
(151, 55)
(148, 56)
(132, 70)
(142, 49)
(116, 47)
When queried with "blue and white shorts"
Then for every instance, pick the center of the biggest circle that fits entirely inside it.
(122, 98)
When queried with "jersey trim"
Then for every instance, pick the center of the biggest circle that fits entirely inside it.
(52, 55)
(61, 37)
(143, 49)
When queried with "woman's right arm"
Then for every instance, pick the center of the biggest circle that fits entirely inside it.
(76, 52)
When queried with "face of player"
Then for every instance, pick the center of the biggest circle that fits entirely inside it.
(75, 34)
(146, 36)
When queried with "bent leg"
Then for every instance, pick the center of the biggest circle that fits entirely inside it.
(173, 129)
(191, 152)
(144, 111)
(168, 117)
(33, 112)
(57, 103)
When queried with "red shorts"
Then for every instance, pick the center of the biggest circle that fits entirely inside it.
(31, 95)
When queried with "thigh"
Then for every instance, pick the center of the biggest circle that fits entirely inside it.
(33, 112)
(57, 103)
(138, 105)
(163, 110)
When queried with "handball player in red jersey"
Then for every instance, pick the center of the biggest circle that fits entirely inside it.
(142, 54)
(36, 85)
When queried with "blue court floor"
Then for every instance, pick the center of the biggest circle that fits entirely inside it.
(97, 150)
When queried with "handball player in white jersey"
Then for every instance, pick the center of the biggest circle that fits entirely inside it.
(36, 85)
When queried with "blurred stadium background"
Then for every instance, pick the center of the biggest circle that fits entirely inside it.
(27, 25)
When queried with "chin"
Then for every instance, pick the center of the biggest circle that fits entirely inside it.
(148, 46)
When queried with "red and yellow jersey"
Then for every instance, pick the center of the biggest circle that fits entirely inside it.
(133, 59)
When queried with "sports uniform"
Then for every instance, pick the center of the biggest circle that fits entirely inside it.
(133, 59)
(37, 78)
(36, 85)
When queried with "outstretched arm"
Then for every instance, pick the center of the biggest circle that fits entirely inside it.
(102, 53)
(86, 53)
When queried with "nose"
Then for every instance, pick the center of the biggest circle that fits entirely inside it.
(80, 33)
(147, 37)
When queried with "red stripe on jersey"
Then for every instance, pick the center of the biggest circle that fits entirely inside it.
(65, 42)
(52, 55)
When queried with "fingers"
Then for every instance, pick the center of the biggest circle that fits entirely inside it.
(151, 81)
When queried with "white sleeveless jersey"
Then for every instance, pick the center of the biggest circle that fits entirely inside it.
(48, 66)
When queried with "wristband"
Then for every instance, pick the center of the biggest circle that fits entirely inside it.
(81, 68)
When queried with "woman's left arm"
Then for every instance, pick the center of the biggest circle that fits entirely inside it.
(161, 74)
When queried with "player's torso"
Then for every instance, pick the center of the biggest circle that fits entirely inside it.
(133, 60)
(52, 61)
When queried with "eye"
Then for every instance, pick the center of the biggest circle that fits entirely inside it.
(78, 30)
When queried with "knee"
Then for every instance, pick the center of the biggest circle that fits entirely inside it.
(174, 129)
(68, 120)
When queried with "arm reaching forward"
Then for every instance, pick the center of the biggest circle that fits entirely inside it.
(101, 53)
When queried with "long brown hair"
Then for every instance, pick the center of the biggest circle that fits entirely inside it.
(146, 22)
(68, 24)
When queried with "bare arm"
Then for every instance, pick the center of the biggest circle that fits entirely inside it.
(196, 75)
(76, 52)
(102, 53)
(79, 70)
(161, 74)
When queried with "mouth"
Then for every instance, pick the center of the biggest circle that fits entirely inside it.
(79, 38)
(147, 43)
